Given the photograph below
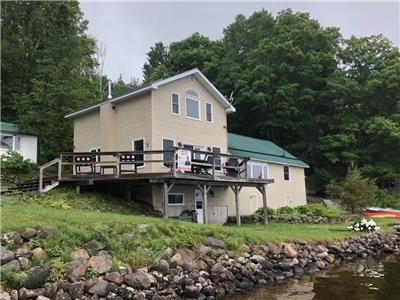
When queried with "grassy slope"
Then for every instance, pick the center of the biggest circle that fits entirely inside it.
(105, 218)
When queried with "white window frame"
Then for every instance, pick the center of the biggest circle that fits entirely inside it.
(13, 141)
(198, 105)
(205, 112)
(289, 172)
(176, 204)
(144, 147)
(262, 164)
(162, 147)
(220, 148)
(16, 138)
(179, 104)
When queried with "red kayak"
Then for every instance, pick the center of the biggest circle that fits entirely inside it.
(375, 212)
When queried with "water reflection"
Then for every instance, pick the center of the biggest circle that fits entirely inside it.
(365, 279)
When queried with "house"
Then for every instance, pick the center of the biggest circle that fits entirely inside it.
(13, 139)
(148, 130)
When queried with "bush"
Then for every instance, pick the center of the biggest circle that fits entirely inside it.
(385, 199)
(12, 279)
(318, 210)
(57, 271)
(364, 226)
(260, 211)
(13, 162)
(285, 210)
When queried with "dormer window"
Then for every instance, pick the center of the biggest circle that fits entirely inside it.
(192, 100)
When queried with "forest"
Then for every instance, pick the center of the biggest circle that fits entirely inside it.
(330, 100)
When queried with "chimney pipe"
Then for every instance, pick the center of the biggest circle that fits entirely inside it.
(109, 89)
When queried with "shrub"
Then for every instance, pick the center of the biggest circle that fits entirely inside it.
(57, 271)
(13, 162)
(12, 279)
(385, 199)
(364, 226)
(260, 211)
(355, 191)
(285, 210)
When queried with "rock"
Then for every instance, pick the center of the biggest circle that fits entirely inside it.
(25, 293)
(63, 284)
(209, 290)
(75, 290)
(257, 259)
(142, 228)
(4, 296)
(93, 245)
(114, 277)
(6, 256)
(322, 248)
(90, 283)
(14, 294)
(183, 258)
(45, 232)
(273, 249)
(203, 250)
(13, 265)
(28, 233)
(50, 289)
(38, 252)
(191, 291)
(320, 264)
(161, 266)
(23, 251)
(11, 238)
(25, 263)
(330, 258)
(289, 250)
(80, 254)
(42, 298)
(75, 269)
(215, 243)
(101, 288)
(36, 277)
(138, 280)
(298, 270)
(101, 263)
(61, 295)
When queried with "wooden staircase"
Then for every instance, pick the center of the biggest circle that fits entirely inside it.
(32, 185)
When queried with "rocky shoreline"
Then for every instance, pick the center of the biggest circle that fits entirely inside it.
(209, 272)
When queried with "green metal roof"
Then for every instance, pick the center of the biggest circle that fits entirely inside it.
(8, 128)
(242, 145)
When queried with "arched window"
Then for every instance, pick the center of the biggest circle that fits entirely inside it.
(192, 101)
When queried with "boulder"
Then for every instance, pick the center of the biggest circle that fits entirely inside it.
(161, 266)
(101, 288)
(191, 291)
(138, 280)
(115, 277)
(184, 258)
(45, 232)
(93, 245)
(289, 250)
(11, 238)
(320, 264)
(13, 265)
(90, 283)
(80, 254)
(28, 233)
(75, 269)
(203, 250)
(273, 249)
(101, 263)
(25, 293)
(42, 298)
(38, 252)
(36, 277)
(215, 243)
(24, 251)
(6, 256)
(75, 290)
(50, 289)
(4, 296)
(322, 248)
(61, 295)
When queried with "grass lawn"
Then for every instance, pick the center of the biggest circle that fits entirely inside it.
(79, 218)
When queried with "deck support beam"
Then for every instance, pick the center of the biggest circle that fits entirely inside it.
(263, 191)
(166, 188)
(77, 189)
(236, 190)
(204, 189)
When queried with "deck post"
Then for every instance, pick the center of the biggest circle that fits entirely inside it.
(213, 166)
(128, 192)
(264, 193)
(174, 163)
(205, 204)
(77, 189)
(236, 189)
(60, 167)
(165, 199)
(41, 180)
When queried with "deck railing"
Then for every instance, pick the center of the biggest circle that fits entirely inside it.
(123, 163)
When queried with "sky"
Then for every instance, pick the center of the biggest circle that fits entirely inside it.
(129, 29)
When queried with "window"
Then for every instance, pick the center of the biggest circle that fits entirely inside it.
(175, 199)
(198, 155)
(95, 150)
(175, 104)
(17, 143)
(6, 141)
(217, 158)
(286, 173)
(209, 115)
(138, 145)
(192, 105)
(168, 157)
(257, 170)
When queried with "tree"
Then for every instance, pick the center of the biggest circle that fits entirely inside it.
(48, 69)
(355, 192)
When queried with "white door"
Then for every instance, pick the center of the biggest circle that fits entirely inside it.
(198, 203)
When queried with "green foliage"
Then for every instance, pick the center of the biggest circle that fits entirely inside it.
(35, 243)
(54, 252)
(13, 163)
(116, 264)
(12, 279)
(386, 199)
(91, 273)
(285, 210)
(57, 271)
(355, 191)
(260, 211)
(318, 210)
(60, 204)
(39, 261)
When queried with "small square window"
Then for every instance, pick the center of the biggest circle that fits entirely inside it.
(175, 104)
(175, 199)
(286, 173)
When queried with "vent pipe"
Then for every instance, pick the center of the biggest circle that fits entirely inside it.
(109, 89)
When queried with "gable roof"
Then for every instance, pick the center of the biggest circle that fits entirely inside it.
(155, 85)
(246, 146)
(8, 128)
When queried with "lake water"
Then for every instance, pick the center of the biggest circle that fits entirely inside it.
(365, 280)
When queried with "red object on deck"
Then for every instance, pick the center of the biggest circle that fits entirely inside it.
(381, 214)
